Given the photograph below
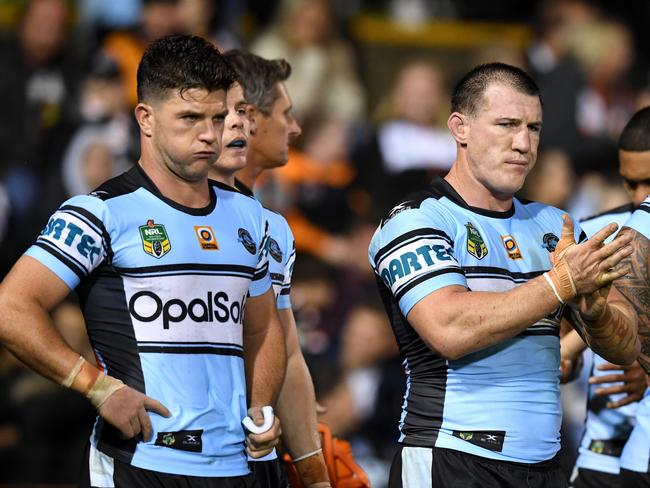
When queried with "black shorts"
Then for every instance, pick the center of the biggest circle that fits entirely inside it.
(269, 474)
(634, 479)
(420, 467)
(589, 478)
(126, 476)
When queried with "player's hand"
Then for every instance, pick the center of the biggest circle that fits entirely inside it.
(592, 306)
(592, 264)
(126, 409)
(259, 445)
(570, 369)
(629, 379)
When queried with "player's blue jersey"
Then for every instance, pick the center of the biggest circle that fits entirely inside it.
(163, 290)
(636, 454)
(282, 256)
(640, 220)
(606, 429)
(502, 402)
(281, 250)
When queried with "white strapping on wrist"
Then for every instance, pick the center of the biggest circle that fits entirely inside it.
(308, 455)
(552, 285)
(72, 375)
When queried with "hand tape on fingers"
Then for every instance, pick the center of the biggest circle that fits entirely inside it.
(269, 417)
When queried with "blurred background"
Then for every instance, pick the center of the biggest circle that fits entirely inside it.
(371, 86)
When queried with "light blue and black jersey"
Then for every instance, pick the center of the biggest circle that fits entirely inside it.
(281, 250)
(640, 220)
(606, 429)
(163, 290)
(501, 402)
(636, 453)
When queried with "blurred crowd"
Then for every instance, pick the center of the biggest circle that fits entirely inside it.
(373, 109)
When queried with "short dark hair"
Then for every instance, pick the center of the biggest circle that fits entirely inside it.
(182, 62)
(258, 77)
(636, 134)
(470, 89)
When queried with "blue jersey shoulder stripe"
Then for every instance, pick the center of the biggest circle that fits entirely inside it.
(95, 222)
(69, 261)
(408, 236)
(420, 279)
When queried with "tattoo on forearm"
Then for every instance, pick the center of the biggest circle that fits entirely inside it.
(635, 286)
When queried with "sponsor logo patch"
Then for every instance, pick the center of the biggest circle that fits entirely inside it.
(475, 243)
(549, 241)
(206, 237)
(491, 440)
(155, 240)
(247, 241)
(511, 247)
(274, 250)
(183, 440)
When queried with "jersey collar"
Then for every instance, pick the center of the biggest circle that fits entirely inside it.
(151, 187)
(443, 187)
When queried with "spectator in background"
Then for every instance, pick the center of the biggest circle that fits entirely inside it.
(605, 51)
(106, 142)
(199, 18)
(409, 145)
(552, 179)
(38, 87)
(313, 189)
(158, 18)
(559, 76)
(323, 81)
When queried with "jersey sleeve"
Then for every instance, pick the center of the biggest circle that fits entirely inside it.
(284, 297)
(261, 279)
(413, 255)
(640, 219)
(75, 240)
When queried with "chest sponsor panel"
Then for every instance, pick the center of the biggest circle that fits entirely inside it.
(187, 308)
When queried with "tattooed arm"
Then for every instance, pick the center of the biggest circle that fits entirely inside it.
(635, 286)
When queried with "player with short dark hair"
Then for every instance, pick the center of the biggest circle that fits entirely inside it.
(612, 408)
(260, 104)
(165, 264)
(475, 282)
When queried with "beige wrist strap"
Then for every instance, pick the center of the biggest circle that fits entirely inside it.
(91, 382)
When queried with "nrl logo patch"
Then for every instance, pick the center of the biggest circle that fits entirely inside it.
(475, 243)
(168, 439)
(155, 241)
(549, 242)
(274, 250)
(247, 241)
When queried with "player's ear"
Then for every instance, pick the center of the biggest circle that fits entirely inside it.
(458, 127)
(253, 115)
(145, 117)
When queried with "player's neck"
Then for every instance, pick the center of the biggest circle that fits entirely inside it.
(192, 194)
(228, 179)
(248, 174)
(475, 193)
